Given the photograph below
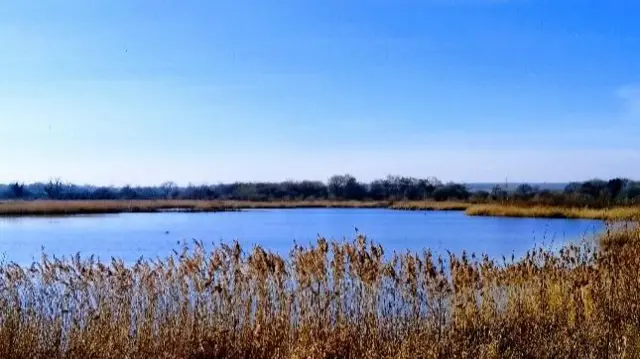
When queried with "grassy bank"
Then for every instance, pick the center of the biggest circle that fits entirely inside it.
(498, 210)
(60, 208)
(54, 208)
(332, 300)
(430, 206)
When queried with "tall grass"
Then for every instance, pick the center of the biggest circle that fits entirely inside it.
(607, 214)
(329, 300)
(431, 205)
(61, 208)
(52, 208)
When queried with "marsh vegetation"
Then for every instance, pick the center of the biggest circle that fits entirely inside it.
(330, 300)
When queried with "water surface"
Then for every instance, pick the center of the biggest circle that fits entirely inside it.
(132, 235)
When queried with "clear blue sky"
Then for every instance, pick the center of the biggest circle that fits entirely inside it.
(140, 92)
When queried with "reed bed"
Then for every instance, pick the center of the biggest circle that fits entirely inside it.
(328, 300)
(305, 204)
(62, 208)
(606, 214)
(67, 207)
(57, 208)
(431, 205)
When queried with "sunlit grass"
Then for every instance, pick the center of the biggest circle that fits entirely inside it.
(52, 208)
(500, 210)
(56, 208)
(329, 300)
(431, 205)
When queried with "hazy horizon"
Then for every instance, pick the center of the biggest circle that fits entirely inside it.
(206, 183)
(138, 92)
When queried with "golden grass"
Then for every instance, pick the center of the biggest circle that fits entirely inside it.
(499, 210)
(35, 208)
(57, 208)
(305, 204)
(330, 300)
(431, 206)
(53, 208)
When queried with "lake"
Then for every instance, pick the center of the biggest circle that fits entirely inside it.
(132, 235)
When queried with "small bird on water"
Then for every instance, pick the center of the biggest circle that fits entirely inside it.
(166, 232)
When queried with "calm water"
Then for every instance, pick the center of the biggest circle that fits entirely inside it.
(130, 236)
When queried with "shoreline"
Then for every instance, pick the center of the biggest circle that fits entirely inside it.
(88, 207)
(71, 207)
(618, 213)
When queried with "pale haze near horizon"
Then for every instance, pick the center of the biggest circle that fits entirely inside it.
(140, 92)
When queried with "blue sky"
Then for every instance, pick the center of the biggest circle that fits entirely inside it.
(140, 92)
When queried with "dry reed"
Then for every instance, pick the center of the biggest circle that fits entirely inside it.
(329, 300)
(431, 205)
(54, 208)
(61, 208)
(607, 214)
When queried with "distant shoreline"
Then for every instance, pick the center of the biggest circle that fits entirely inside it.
(84, 207)
(617, 213)
(79, 207)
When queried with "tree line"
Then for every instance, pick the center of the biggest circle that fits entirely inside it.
(340, 187)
